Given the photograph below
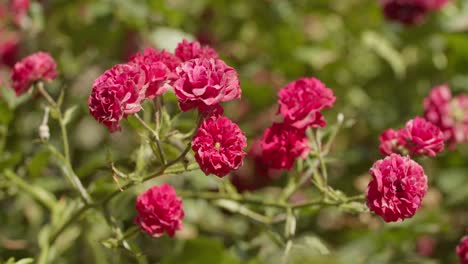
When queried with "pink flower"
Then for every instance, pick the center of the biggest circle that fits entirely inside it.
(410, 12)
(39, 66)
(204, 83)
(462, 250)
(156, 72)
(282, 145)
(397, 188)
(301, 102)
(153, 56)
(390, 142)
(9, 48)
(422, 137)
(159, 210)
(218, 146)
(118, 92)
(448, 113)
(19, 9)
(186, 51)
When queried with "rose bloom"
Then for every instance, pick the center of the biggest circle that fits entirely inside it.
(462, 250)
(448, 113)
(219, 146)
(410, 12)
(156, 72)
(159, 210)
(390, 142)
(204, 83)
(301, 102)
(19, 9)
(397, 188)
(422, 137)
(9, 48)
(39, 66)
(282, 145)
(150, 56)
(186, 51)
(118, 92)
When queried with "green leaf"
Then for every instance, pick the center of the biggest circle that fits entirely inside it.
(385, 50)
(67, 117)
(202, 250)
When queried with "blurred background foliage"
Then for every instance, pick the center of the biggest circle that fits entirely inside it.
(379, 71)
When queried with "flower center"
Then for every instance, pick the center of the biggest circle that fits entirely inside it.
(217, 146)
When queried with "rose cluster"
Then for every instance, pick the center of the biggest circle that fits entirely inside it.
(201, 81)
(418, 137)
(449, 114)
(300, 105)
(410, 12)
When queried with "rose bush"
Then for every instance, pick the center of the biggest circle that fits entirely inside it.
(233, 132)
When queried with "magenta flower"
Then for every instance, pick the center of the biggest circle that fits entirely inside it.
(9, 48)
(159, 210)
(301, 102)
(186, 51)
(118, 92)
(410, 12)
(282, 145)
(448, 113)
(390, 142)
(462, 250)
(219, 146)
(19, 9)
(204, 83)
(152, 56)
(156, 72)
(39, 66)
(397, 188)
(422, 137)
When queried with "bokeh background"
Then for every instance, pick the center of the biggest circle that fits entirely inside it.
(380, 72)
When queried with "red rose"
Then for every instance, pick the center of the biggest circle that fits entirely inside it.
(9, 48)
(301, 102)
(203, 83)
(19, 9)
(186, 51)
(397, 188)
(282, 145)
(410, 12)
(422, 137)
(159, 210)
(39, 66)
(156, 72)
(448, 113)
(462, 250)
(219, 146)
(118, 92)
(389, 142)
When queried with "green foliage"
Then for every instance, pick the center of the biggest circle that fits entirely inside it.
(379, 71)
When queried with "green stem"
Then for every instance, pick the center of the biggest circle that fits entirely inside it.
(155, 136)
(67, 168)
(44, 256)
(77, 214)
(66, 146)
(39, 194)
(71, 175)
(222, 196)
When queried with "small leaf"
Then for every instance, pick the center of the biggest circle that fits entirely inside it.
(67, 117)
(25, 261)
